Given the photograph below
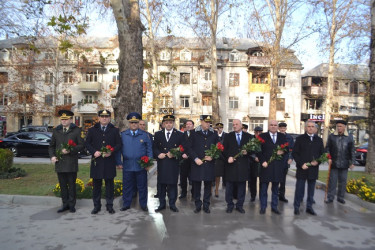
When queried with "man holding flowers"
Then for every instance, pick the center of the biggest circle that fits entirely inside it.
(272, 165)
(169, 150)
(103, 141)
(63, 149)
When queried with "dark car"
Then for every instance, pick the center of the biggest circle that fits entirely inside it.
(31, 129)
(361, 154)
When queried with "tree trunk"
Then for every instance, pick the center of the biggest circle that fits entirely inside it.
(370, 162)
(130, 61)
(215, 89)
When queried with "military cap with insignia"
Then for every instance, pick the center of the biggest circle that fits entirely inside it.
(206, 118)
(168, 118)
(283, 124)
(65, 114)
(134, 117)
(257, 128)
(104, 113)
(219, 125)
(245, 126)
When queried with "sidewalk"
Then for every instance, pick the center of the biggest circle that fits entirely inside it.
(36, 225)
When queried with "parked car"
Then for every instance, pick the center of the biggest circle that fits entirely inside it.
(30, 144)
(31, 129)
(361, 154)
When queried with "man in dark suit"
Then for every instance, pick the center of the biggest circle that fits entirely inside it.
(219, 163)
(165, 140)
(236, 170)
(103, 166)
(274, 171)
(185, 166)
(203, 167)
(254, 169)
(307, 148)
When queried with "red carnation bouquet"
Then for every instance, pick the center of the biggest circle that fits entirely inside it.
(146, 162)
(177, 152)
(104, 150)
(322, 159)
(67, 146)
(214, 151)
(275, 155)
(252, 146)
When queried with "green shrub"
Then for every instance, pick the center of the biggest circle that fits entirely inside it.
(13, 173)
(6, 160)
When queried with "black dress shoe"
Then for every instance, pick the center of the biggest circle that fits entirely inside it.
(159, 209)
(328, 201)
(252, 199)
(275, 210)
(110, 210)
(296, 211)
(342, 201)
(63, 209)
(262, 211)
(156, 196)
(310, 211)
(207, 210)
(124, 208)
(216, 195)
(229, 210)
(182, 196)
(197, 210)
(144, 209)
(282, 198)
(95, 210)
(240, 209)
(174, 209)
(72, 209)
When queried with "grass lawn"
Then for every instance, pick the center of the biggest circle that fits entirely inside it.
(40, 179)
(351, 175)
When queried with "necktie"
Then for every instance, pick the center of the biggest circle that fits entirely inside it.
(103, 128)
(273, 138)
(205, 132)
(65, 129)
(238, 139)
(168, 136)
(133, 133)
(188, 133)
(311, 137)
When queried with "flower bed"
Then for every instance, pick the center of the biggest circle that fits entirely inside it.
(363, 188)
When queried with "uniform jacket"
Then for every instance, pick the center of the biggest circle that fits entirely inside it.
(69, 162)
(197, 144)
(168, 168)
(238, 170)
(133, 148)
(341, 148)
(103, 168)
(306, 151)
(275, 170)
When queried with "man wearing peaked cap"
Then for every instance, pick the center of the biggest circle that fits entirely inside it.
(206, 118)
(66, 162)
(245, 127)
(133, 117)
(104, 112)
(168, 118)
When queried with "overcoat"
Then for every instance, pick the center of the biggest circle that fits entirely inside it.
(237, 171)
(220, 163)
(103, 168)
(198, 143)
(305, 151)
(68, 162)
(168, 168)
(275, 170)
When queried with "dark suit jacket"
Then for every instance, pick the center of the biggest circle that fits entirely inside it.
(168, 168)
(275, 170)
(105, 168)
(306, 151)
(239, 169)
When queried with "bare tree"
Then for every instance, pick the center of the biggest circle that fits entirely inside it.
(370, 161)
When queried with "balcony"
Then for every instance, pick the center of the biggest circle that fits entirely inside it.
(90, 87)
(166, 111)
(90, 108)
(261, 61)
(315, 90)
(205, 87)
(26, 87)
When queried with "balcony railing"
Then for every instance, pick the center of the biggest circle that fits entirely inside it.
(88, 108)
(259, 61)
(90, 86)
(26, 87)
(315, 90)
(205, 86)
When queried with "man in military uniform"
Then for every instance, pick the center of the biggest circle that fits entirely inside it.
(168, 169)
(103, 166)
(219, 163)
(135, 144)
(185, 166)
(66, 163)
(254, 169)
(203, 167)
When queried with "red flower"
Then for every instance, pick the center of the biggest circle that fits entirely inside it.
(261, 139)
(110, 148)
(144, 159)
(181, 148)
(220, 146)
(329, 156)
(284, 145)
(72, 143)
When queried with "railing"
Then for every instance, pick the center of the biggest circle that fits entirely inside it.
(89, 86)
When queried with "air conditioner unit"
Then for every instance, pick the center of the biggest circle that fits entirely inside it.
(195, 99)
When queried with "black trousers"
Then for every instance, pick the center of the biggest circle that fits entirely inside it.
(241, 192)
(97, 192)
(67, 183)
(185, 168)
(282, 184)
(252, 181)
(206, 195)
(171, 190)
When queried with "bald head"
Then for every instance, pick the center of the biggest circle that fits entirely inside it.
(237, 125)
(272, 126)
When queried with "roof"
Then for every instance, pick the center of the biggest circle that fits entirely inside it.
(342, 71)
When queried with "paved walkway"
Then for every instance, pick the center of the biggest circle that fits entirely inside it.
(35, 226)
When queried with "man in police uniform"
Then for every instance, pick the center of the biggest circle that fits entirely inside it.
(203, 167)
(103, 166)
(168, 169)
(66, 167)
(136, 144)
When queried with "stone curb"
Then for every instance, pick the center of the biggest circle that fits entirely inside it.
(351, 197)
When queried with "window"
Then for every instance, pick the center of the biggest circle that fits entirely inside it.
(164, 77)
(234, 56)
(91, 76)
(144, 53)
(25, 97)
(48, 77)
(25, 136)
(234, 79)
(233, 102)
(91, 99)
(184, 101)
(353, 88)
(3, 77)
(259, 101)
(255, 123)
(41, 137)
(260, 78)
(115, 77)
(281, 81)
(46, 120)
(165, 101)
(48, 55)
(68, 77)
(184, 78)
(206, 100)
(257, 53)
(207, 74)
(280, 104)
(28, 77)
(336, 86)
(3, 99)
(353, 108)
(185, 55)
(230, 125)
(48, 99)
(314, 104)
(67, 99)
(165, 55)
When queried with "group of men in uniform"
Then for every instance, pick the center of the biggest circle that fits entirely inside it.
(111, 148)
